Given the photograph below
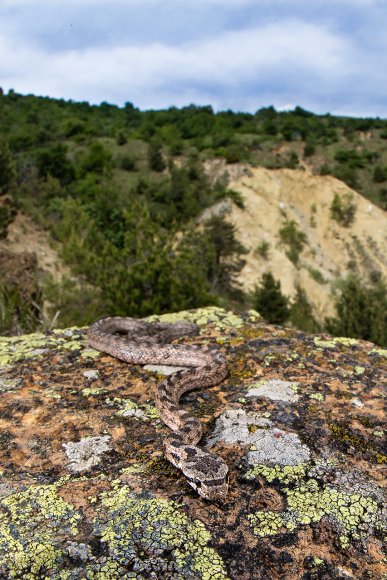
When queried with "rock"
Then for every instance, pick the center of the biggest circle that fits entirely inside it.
(85, 489)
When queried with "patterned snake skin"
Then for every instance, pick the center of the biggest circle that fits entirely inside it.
(147, 344)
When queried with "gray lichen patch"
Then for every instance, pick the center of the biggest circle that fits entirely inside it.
(237, 426)
(91, 374)
(86, 453)
(267, 444)
(274, 389)
(274, 446)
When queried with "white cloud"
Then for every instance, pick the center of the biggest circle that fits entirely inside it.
(228, 60)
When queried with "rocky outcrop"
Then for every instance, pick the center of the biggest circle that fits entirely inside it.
(85, 490)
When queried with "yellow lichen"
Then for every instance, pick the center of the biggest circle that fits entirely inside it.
(139, 530)
(308, 502)
(30, 524)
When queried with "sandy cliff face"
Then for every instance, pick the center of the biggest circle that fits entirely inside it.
(331, 251)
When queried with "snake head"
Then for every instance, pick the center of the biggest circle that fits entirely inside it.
(206, 473)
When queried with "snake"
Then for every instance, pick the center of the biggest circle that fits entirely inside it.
(141, 342)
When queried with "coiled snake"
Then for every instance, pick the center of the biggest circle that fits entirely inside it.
(147, 343)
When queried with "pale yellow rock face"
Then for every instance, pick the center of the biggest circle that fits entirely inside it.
(271, 197)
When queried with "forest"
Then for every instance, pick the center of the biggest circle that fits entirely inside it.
(121, 192)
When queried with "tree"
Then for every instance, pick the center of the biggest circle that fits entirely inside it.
(223, 258)
(7, 167)
(301, 312)
(269, 301)
(343, 209)
(53, 161)
(155, 157)
(361, 312)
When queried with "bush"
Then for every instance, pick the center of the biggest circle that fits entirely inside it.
(269, 301)
(97, 160)
(343, 209)
(361, 312)
(325, 169)
(309, 150)
(155, 158)
(121, 138)
(262, 249)
(379, 174)
(53, 161)
(294, 239)
(7, 167)
(301, 312)
(127, 162)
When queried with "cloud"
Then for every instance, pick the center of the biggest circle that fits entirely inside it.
(226, 61)
(244, 55)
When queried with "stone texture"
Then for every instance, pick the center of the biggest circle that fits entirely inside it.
(306, 497)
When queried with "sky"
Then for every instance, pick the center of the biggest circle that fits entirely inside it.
(322, 55)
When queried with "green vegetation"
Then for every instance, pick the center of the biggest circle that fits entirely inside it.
(263, 249)
(269, 301)
(294, 239)
(301, 312)
(122, 191)
(343, 209)
(361, 311)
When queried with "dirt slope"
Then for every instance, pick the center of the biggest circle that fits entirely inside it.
(274, 196)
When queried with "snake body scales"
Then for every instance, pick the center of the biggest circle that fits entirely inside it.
(148, 343)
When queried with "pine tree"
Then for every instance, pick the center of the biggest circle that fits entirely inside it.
(301, 312)
(269, 300)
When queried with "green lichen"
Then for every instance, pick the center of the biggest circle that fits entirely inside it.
(284, 474)
(308, 502)
(90, 353)
(88, 392)
(15, 348)
(316, 396)
(380, 351)
(153, 535)
(321, 343)
(359, 370)
(31, 523)
(266, 523)
(128, 407)
(221, 319)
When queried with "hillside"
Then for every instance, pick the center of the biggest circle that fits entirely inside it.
(110, 199)
(274, 198)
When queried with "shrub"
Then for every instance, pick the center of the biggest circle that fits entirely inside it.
(309, 150)
(316, 275)
(292, 161)
(127, 162)
(343, 209)
(121, 138)
(301, 312)
(262, 249)
(325, 169)
(7, 167)
(361, 312)
(97, 160)
(294, 239)
(53, 161)
(269, 301)
(155, 158)
(379, 174)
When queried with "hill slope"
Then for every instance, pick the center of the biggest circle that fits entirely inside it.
(274, 198)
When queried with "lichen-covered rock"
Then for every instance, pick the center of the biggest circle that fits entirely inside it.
(85, 491)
